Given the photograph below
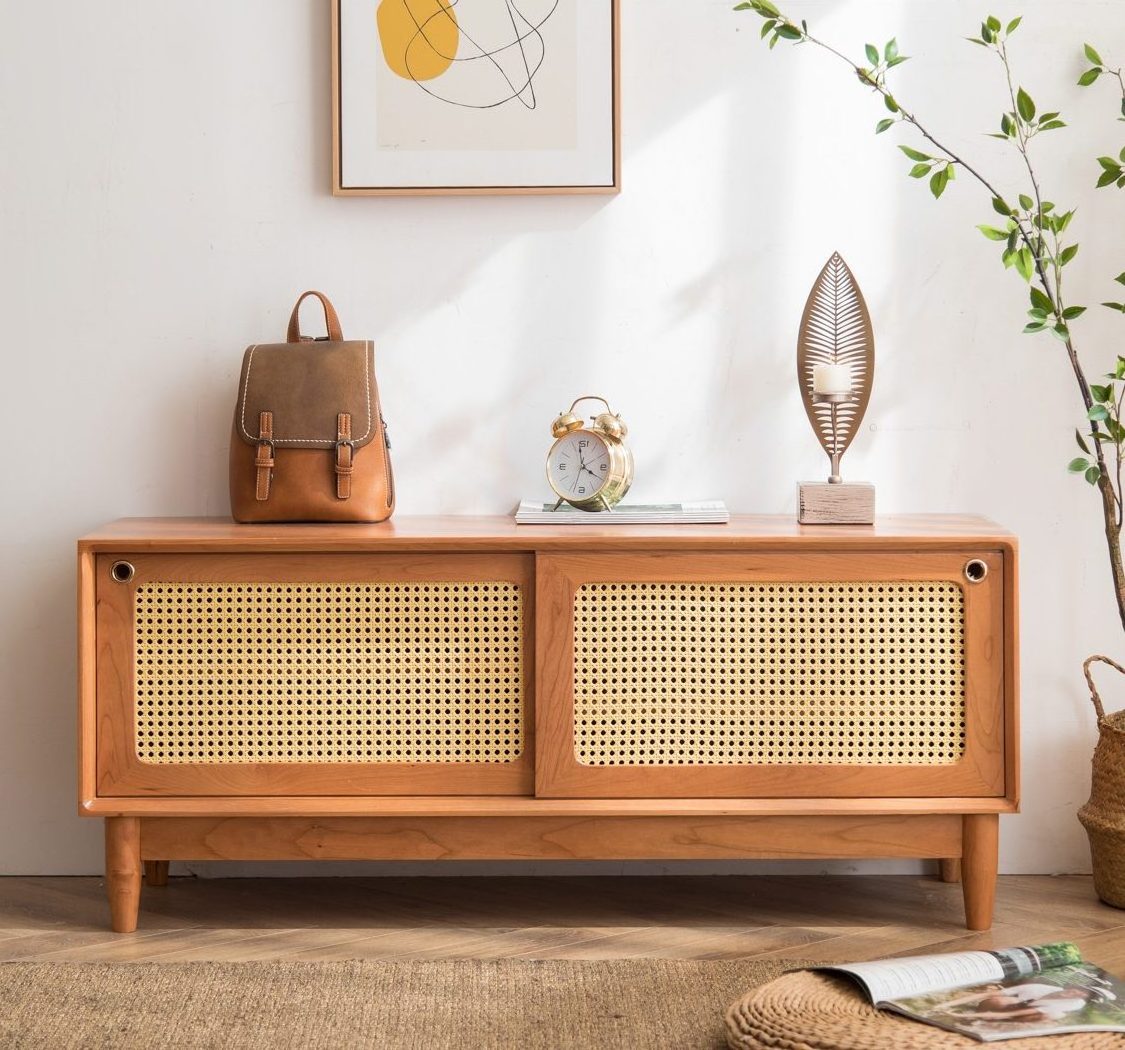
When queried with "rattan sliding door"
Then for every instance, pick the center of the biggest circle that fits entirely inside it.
(273, 674)
(775, 675)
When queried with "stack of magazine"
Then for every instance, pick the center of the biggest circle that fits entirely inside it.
(995, 995)
(701, 512)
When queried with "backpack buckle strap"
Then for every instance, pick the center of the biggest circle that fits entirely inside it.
(263, 461)
(345, 456)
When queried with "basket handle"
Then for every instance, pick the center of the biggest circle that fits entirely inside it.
(1094, 695)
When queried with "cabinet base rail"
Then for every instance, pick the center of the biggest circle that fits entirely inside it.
(137, 846)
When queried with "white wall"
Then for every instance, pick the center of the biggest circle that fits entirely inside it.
(163, 197)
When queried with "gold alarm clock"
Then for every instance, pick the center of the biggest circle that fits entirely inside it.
(590, 467)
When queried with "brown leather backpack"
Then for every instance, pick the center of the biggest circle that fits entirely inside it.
(309, 442)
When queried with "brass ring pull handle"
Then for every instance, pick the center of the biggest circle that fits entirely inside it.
(331, 320)
(1095, 698)
(975, 570)
(122, 571)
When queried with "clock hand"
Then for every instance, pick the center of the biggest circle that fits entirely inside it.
(583, 467)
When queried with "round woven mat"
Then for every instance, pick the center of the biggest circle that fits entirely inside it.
(813, 1011)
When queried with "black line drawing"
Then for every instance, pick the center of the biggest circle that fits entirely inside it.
(525, 39)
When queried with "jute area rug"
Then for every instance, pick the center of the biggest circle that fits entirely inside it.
(564, 1005)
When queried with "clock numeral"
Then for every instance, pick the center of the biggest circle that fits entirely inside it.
(581, 489)
(562, 467)
(605, 466)
(583, 443)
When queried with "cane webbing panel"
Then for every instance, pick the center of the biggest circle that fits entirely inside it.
(329, 672)
(769, 674)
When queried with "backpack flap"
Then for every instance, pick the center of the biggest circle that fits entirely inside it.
(306, 386)
(308, 395)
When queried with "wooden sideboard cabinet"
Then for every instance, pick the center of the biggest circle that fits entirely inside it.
(463, 688)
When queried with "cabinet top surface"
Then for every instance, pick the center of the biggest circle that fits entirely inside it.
(463, 532)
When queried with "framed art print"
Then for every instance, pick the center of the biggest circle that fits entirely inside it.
(475, 96)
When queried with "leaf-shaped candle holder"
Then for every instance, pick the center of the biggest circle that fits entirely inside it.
(835, 368)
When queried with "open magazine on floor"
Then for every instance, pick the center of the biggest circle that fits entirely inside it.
(993, 995)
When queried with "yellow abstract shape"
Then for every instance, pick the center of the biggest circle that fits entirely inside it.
(417, 53)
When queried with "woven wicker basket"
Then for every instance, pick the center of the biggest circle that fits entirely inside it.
(1103, 816)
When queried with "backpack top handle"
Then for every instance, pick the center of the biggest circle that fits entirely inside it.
(331, 320)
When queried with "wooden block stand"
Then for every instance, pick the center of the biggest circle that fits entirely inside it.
(463, 688)
(848, 503)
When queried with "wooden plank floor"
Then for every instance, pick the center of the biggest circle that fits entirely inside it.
(808, 917)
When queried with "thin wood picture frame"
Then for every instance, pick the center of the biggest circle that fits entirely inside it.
(383, 76)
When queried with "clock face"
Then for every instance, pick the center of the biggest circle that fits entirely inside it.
(578, 465)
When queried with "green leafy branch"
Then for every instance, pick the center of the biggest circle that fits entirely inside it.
(1032, 231)
(1113, 169)
(1099, 68)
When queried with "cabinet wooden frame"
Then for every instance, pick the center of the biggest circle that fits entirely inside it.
(980, 771)
(813, 837)
(119, 770)
(445, 810)
(965, 845)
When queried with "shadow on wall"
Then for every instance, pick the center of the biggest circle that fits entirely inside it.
(538, 350)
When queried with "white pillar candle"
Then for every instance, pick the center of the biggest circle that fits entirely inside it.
(832, 379)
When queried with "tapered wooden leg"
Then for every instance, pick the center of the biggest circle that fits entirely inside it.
(156, 873)
(980, 842)
(123, 871)
(950, 869)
